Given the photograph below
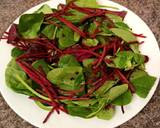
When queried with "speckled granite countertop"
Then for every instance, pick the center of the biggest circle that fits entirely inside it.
(148, 10)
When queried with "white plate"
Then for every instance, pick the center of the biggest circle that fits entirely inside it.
(34, 115)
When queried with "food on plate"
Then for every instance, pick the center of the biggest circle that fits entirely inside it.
(78, 58)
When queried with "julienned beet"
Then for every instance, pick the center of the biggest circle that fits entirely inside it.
(78, 59)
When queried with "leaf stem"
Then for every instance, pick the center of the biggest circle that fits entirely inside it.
(31, 90)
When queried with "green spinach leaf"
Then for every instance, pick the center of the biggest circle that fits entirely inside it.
(45, 9)
(115, 92)
(87, 3)
(126, 35)
(63, 40)
(41, 63)
(30, 24)
(115, 18)
(104, 88)
(85, 103)
(122, 25)
(124, 99)
(12, 82)
(67, 78)
(135, 47)
(88, 62)
(68, 60)
(76, 37)
(97, 107)
(106, 114)
(42, 106)
(50, 31)
(91, 42)
(142, 81)
(16, 52)
(78, 111)
(128, 60)
(75, 16)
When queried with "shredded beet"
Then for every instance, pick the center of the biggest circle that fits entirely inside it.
(40, 79)
(73, 27)
(54, 23)
(97, 85)
(122, 109)
(48, 116)
(146, 59)
(139, 35)
(74, 92)
(71, 98)
(91, 11)
(38, 56)
(124, 79)
(78, 51)
(102, 57)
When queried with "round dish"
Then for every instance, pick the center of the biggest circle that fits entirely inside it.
(31, 113)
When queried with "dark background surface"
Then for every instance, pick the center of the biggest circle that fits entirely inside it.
(148, 10)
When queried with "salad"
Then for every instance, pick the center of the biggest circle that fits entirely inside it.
(78, 58)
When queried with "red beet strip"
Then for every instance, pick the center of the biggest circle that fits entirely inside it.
(41, 80)
(47, 44)
(97, 85)
(102, 56)
(72, 51)
(122, 109)
(63, 109)
(72, 92)
(124, 79)
(29, 55)
(91, 11)
(96, 47)
(54, 23)
(100, 13)
(48, 116)
(139, 35)
(142, 42)
(71, 98)
(70, 25)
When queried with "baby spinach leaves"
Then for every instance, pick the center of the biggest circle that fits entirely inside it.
(68, 60)
(115, 18)
(16, 52)
(91, 42)
(124, 99)
(87, 3)
(45, 9)
(106, 114)
(104, 88)
(115, 92)
(127, 60)
(65, 37)
(124, 34)
(88, 62)
(41, 64)
(78, 111)
(50, 31)
(67, 78)
(142, 81)
(75, 16)
(30, 24)
(69, 75)
(12, 81)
